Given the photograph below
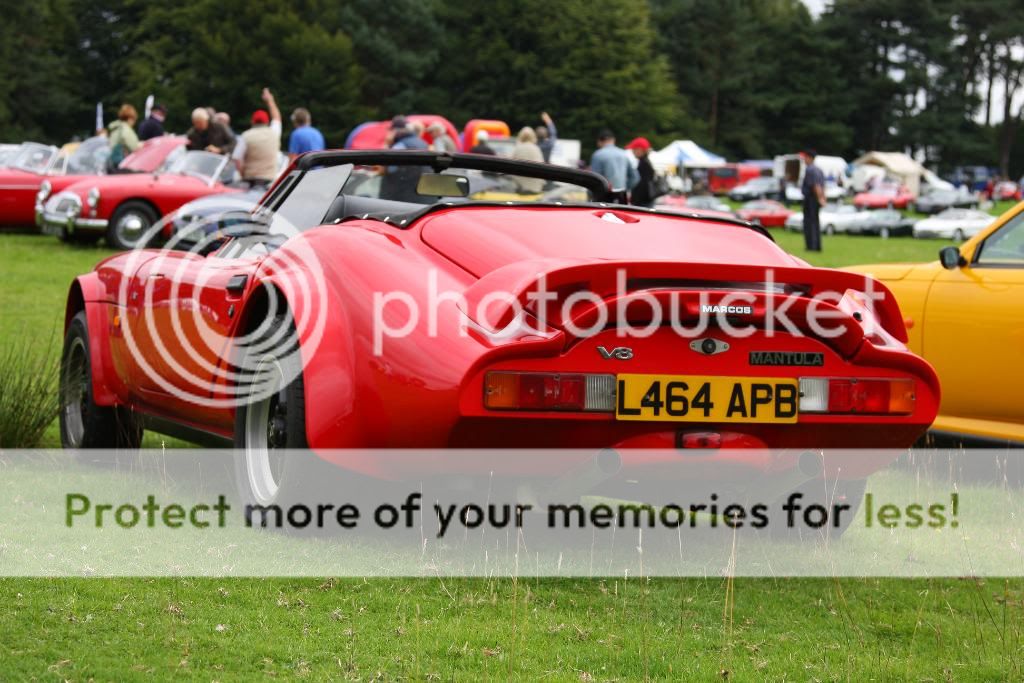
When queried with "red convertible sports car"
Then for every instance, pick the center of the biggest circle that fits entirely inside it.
(766, 212)
(122, 207)
(391, 299)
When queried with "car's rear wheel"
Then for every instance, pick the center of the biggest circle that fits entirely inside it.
(129, 224)
(830, 229)
(83, 423)
(272, 465)
(958, 235)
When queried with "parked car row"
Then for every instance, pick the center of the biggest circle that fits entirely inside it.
(955, 224)
(71, 193)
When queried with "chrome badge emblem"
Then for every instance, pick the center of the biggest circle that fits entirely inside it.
(618, 353)
(708, 346)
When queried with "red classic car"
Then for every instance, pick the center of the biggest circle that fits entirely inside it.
(123, 207)
(376, 300)
(766, 212)
(19, 181)
(149, 157)
(886, 196)
(1006, 190)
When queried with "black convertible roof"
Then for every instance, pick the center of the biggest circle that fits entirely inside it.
(596, 184)
(440, 161)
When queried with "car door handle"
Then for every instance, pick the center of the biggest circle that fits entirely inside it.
(236, 284)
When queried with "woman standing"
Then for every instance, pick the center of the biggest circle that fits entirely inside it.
(123, 140)
(526, 149)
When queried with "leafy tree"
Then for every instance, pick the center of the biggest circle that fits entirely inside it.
(221, 53)
(590, 64)
(397, 45)
(38, 74)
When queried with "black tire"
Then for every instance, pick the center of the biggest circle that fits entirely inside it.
(129, 223)
(828, 495)
(83, 424)
(293, 475)
(830, 229)
(958, 235)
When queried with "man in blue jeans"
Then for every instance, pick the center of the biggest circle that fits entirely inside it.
(305, 138)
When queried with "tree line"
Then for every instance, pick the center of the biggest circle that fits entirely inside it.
(745, 78)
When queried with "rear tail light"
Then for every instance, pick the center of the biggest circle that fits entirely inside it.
(857, 396)
(543, 391)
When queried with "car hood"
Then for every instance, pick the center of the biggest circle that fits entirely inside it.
(130, 183)
(483, 239)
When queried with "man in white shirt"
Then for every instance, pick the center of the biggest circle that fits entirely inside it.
(258, 150)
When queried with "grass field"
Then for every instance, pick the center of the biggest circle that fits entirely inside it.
(561, 630)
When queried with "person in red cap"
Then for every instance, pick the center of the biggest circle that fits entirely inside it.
(258, 150)
(644, 192)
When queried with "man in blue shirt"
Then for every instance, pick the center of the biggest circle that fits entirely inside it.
(813, 189)
(613, 163)
(305, 138)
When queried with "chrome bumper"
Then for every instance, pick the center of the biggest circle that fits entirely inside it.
(52, 223)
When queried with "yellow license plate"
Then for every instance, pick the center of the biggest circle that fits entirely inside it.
(695, 398)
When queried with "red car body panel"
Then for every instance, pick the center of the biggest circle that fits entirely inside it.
(424, 391)
(770, 214)
(18, 195)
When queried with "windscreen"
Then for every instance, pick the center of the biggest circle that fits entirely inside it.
(90, 157)
(34, 157)
(334, 193)
(203, 165)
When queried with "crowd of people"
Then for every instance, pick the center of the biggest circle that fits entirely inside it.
(255, 151)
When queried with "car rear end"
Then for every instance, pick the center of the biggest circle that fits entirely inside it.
(772, 361)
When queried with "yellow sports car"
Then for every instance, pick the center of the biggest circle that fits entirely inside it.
(965, 314)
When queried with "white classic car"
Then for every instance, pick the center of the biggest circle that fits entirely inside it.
(956, 224)
(833, 192)
(834, 218)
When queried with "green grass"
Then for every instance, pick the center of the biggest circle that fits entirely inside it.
(552, 629)
(561, 630)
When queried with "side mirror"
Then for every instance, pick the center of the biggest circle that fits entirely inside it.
(951, 259)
